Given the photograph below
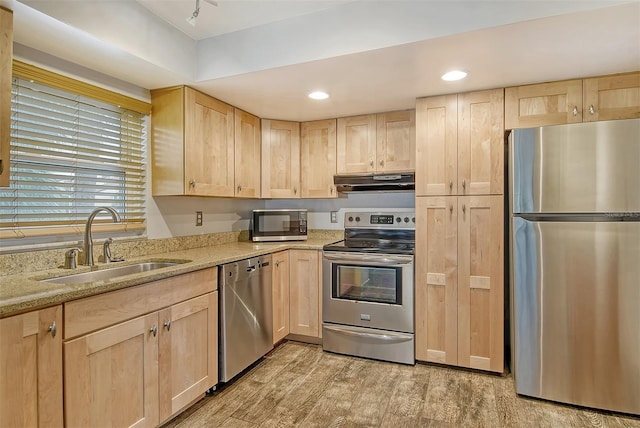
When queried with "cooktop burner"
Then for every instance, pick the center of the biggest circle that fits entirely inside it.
(377, 232)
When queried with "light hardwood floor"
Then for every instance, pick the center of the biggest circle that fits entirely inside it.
(299, 385)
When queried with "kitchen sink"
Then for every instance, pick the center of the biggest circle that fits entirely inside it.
(113, 272)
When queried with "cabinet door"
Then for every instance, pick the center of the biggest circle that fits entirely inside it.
(31, 369)
(481, 143)
(6, 56)
(247, 154)
(612, 97)
(436, 146)
(209, 146)
(303, 293)
(396, 141)
(318, 158)
(111, 376)
(356, 144)
(280, 290)
(280, 159)
(188, 352)
(480, 282)
(544, 104)
(436, 279)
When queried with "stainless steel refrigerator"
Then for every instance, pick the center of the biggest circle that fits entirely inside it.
(575, 263)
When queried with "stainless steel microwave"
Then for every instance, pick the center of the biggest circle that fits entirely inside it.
(279, 225)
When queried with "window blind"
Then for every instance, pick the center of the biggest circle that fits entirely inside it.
(69, 155)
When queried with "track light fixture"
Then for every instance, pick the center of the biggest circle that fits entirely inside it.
(192, 19)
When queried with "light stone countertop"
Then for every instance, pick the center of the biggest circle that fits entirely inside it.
(24, 292)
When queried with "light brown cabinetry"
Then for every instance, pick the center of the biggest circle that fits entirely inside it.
(280, 159)
(460, 144)
(31, 369)
(459, 281)
(141, 354)
(280, 295)
(6, 57)
(305, 281)
(247, 155)
(192, 144)
(318, 162)
(376, 143)
(572, 101)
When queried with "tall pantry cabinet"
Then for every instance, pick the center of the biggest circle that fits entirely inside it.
(459, 228)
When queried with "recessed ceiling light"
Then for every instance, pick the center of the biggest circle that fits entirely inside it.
(318, 95)
(454, 75)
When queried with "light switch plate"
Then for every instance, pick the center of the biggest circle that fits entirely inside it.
(198, 218)
(334, 216)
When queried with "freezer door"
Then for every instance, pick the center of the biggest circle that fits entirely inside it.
(576, 308)
(577, 168)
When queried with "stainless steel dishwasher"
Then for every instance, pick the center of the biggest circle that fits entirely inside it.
(246, 323)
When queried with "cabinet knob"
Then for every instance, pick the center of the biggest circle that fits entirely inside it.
(53, 329)
(278, 263)
(575, 110)
(331, 190)
(295, 190)
(464, 208)
(154, 330)
(464, 185)
(239, 188)
(167, 324)
(450, 185)
(451, 209)
(192, 183)
(381, 162)
(371, 164)
(592, 110)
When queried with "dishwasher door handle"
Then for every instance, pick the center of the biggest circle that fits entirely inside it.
(251, 269)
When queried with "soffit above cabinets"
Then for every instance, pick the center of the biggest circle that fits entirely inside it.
(371, 56)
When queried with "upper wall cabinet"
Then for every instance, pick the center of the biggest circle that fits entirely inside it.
(6, 55)
(318, 158)
(572, 101)
(460, 144)
(192, 144)
(280, 159)
(376, 143)
(247, 155)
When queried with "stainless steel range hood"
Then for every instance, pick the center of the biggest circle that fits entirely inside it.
(390, 182)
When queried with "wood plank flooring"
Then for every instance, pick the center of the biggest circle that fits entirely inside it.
(299, 385)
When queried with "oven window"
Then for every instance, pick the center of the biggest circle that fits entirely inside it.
(367, 283)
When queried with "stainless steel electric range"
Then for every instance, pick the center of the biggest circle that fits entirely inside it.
(368, 288)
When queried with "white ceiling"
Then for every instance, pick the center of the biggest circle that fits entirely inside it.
(371, 56)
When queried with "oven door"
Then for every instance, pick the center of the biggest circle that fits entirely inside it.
(368, 290)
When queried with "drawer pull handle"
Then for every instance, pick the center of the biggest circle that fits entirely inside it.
(167, 324)
(154, 330)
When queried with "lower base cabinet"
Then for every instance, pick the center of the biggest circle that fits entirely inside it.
(280, 295)
(31, 369)
(460, 281)
(305, 312)
(142, 371)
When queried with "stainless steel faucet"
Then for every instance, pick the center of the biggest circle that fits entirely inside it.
(87, 247)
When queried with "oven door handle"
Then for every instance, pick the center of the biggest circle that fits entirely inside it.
(369, 259)
(395, 338)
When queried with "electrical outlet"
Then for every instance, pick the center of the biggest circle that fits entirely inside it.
(198, 218)
(334, 216)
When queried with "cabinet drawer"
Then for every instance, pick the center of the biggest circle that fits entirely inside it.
(92, 313)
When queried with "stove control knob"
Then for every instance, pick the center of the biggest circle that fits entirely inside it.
(398, 219)
(406, 219)
(350, 218)
(357, 218)
(413, 219)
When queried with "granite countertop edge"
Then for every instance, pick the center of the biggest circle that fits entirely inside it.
(26, 292)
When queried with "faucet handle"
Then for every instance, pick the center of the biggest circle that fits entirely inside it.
(71, 258)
